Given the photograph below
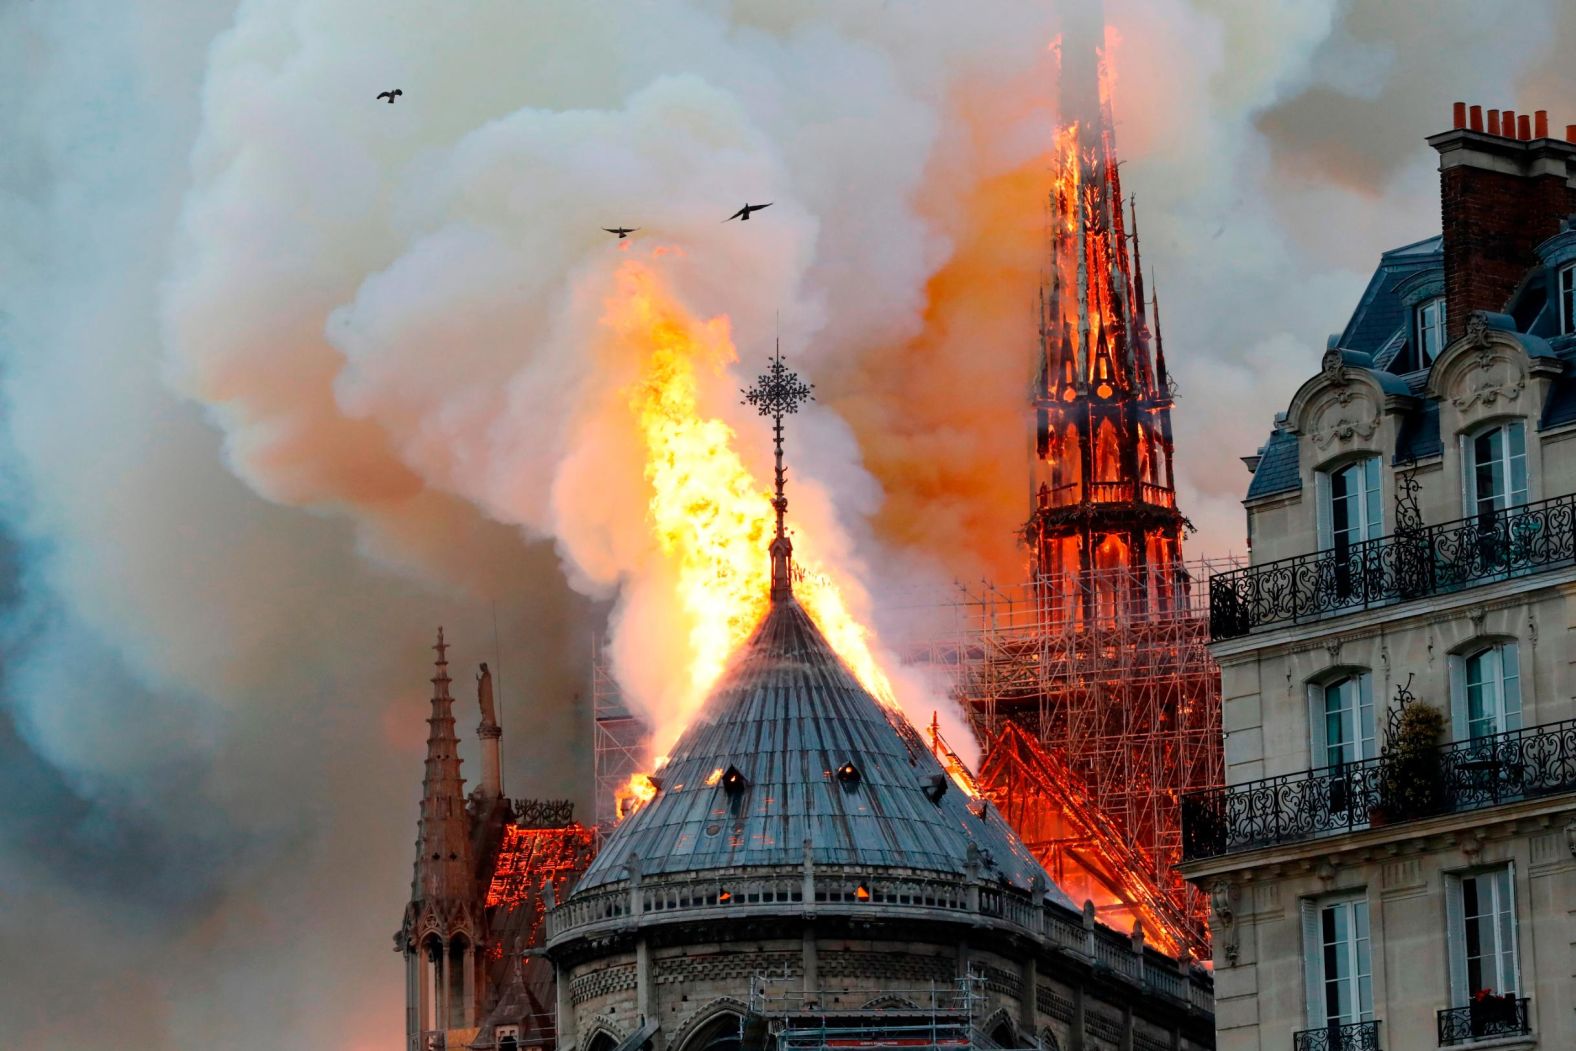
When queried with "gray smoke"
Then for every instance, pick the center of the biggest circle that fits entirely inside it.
(290, 377)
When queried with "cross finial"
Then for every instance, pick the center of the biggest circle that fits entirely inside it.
(777, 393)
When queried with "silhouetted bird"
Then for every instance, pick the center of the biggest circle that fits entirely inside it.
(390, 95)
(744, 213)
(621, 231)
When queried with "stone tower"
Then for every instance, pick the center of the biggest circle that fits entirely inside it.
(442, 925)
(1102, 481)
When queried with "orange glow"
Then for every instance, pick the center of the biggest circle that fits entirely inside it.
(713, 777)
(636, 793)
(710, 518)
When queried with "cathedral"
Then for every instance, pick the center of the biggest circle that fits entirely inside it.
(807, 875)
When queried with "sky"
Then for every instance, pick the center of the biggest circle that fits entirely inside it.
(290, 376)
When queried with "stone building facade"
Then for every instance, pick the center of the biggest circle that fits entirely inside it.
(1392, 863)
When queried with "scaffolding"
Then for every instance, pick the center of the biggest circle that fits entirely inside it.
(1110, 674)
(618, 738)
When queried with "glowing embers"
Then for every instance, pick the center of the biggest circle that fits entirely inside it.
(734, 783)
(636, 793)
(861, 893)
(848, 776)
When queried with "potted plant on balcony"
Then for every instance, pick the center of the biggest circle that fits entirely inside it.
(1490, 1013)
(1410, 780)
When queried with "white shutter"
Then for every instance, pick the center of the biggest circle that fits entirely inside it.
(1321, 499)
(1312, 963)
(1318, 746)
(1514, 984)
(1365, 724)
(1373, 506)
(1456, 941)
(1510, 685)
(1460, 726)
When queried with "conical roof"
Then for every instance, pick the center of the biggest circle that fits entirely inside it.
(787, 717)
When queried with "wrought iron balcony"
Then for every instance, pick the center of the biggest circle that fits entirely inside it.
(1427, 560)
(1358, 1036)
(1485, 1019)
(1464, 775)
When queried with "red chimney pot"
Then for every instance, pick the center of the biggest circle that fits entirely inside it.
(1476, 121)
(1570, 133)
(1493, 122)
(1523, 127)
(1507, 123)
(1459, 115)
(1540, 124)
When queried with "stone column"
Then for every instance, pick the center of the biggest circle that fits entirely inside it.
(423, 990)
(643, 978)
(468, 1017)
(492, 776)
(1029, 1008)
(441, 976)
(567, 1035)
(1078, 1019)
(412, 997)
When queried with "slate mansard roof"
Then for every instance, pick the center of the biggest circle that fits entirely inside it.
(787, 716)
(1379, 337)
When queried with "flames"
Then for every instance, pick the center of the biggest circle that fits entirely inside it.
(637, 791)
(710, 518)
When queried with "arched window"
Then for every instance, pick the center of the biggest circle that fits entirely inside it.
(1341, 711)
(1350, 508)
(1485, 691)
(1107, 454)
(720, 1033)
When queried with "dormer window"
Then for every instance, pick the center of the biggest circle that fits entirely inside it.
(1428, 328)
(1567, 286)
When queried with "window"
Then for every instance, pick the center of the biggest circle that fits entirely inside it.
(1338, 977)
(1481, 912)
(1568, 299)
(1429, 330)
(1496, 469)
(1343, 720)
(1486, 691)
(1351, 509)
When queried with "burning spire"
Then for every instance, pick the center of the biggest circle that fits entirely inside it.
(778, 392)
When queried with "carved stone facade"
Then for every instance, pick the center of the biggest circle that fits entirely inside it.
(1347, 863)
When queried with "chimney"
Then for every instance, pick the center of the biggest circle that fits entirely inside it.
(1501, 193)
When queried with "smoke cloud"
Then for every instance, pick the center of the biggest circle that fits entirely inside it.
(291, 376)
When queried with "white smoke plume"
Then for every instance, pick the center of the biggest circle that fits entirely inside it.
(290, 376)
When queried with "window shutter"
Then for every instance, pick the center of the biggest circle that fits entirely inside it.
(1510, 682)
(1312, 963)
(1460, 726)
(1366, 748)
(1468, 481)
(1373, 513)
(1321, 493)
(1516, 475)
(1456, 941)
(1515, 930)
(1318, 746)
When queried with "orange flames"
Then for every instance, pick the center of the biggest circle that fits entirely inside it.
(710, 518)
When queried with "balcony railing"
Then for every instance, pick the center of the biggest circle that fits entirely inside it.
(1486, 1019)
(1464, 775)
(1358, 1036)
(1069, 494)
(1426, 561)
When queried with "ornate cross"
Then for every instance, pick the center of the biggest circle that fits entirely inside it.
(777, 393)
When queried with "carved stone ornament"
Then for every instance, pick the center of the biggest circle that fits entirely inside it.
(1330, 365)
(1220, 899)
(1491, 375)
(1570, 837)
(1345, 429)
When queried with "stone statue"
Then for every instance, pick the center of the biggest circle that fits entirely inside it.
(484, 696)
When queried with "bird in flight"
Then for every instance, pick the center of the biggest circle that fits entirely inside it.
(743, 214)
(390, 95)
(621, 231)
